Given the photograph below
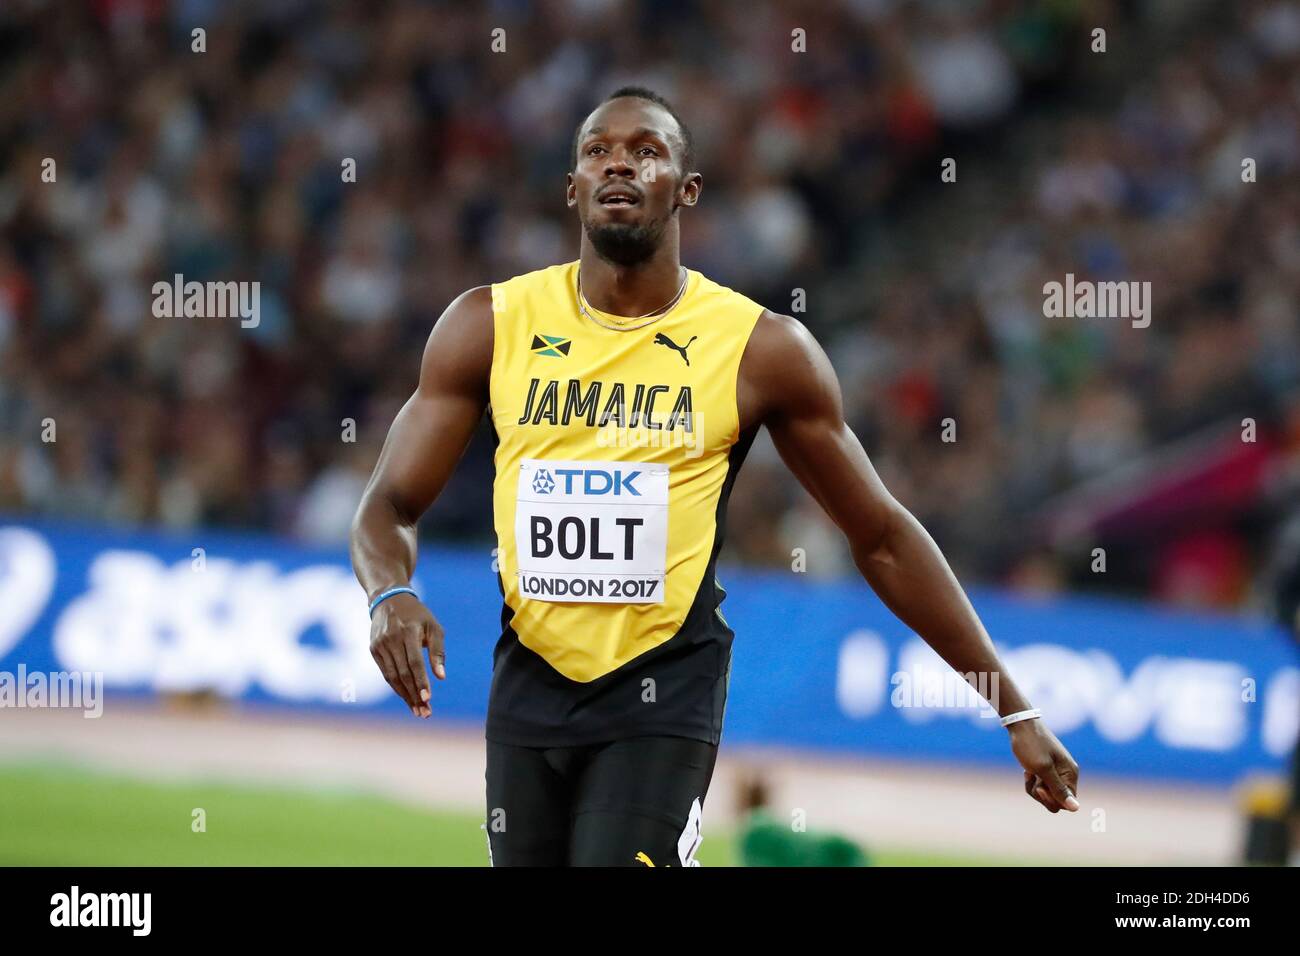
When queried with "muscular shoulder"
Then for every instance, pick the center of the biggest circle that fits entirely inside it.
(459, 350)
(470, 310)
(784, 370)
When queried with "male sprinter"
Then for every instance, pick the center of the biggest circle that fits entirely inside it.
(624, 391)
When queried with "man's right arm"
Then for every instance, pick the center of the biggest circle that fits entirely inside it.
(425, 442)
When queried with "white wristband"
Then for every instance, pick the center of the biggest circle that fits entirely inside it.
(1023, 715)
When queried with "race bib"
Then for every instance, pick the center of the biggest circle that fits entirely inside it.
(592, 531)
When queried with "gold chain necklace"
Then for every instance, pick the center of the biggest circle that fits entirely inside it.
(627, 325)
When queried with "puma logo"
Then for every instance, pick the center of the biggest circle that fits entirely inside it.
(661, 339)
(642, 858)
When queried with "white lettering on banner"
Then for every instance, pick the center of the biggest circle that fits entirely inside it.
(862, 674)
(235, 626)
(1081, 686)
(1186, 703)
(27, 572)
(1199, 704)
(592, 531)
(1282, 711)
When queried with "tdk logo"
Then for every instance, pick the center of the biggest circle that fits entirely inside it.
(543, 483)
(589, 481)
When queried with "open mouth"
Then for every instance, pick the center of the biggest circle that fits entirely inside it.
(619, 199)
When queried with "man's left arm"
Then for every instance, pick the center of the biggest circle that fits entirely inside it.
(787, 383)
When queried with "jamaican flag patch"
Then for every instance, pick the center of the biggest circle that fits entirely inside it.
(554, 345)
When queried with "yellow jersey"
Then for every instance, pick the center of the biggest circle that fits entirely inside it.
(615, 452)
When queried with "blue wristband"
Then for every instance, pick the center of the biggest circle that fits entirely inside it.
(390, 593)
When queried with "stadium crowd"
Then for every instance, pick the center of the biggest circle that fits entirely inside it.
(823, 196)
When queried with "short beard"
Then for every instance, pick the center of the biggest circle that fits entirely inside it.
(625, 244)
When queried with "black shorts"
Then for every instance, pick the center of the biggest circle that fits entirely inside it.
(630, 802)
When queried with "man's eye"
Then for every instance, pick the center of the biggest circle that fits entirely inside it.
(650, 149)
(593, 149)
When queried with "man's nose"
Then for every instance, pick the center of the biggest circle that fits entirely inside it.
(620, 163)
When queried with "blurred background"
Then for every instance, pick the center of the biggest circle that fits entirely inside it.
(187, 445)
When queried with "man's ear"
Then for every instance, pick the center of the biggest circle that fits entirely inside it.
(570, 191)
(689, 193)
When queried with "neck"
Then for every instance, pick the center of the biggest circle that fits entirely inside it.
(630, 290)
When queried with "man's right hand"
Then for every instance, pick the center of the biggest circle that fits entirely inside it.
(401, 626)
(427, 438)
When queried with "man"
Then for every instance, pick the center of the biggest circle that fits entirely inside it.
(1284, 578)
(624, 391)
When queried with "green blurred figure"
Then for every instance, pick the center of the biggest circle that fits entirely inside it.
(766, 840)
